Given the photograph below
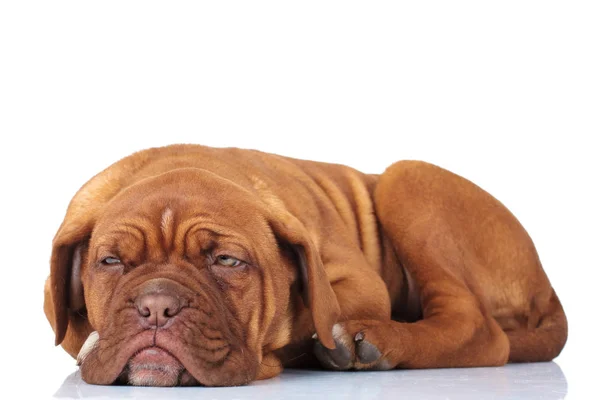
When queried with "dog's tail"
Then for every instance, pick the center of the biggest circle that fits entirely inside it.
(546, 340)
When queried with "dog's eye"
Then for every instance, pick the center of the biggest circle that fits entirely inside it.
(227, 261)
(110, 261)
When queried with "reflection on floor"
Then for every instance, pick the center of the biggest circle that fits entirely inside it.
(516, 381)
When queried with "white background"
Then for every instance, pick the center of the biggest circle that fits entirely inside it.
(506, 94)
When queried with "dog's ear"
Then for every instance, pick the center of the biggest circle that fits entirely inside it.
(64, 302)
(317, 291)
(65, 288)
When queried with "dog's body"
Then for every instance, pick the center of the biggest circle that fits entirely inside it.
(217, 266)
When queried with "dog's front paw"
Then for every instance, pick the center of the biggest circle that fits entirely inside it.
(353, 349)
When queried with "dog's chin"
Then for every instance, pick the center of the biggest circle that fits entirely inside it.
(154, 366)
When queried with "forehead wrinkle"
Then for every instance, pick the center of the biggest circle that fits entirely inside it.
(183, 230)
(201, 222)
(119, 240)
(135, 231)
(145, 232)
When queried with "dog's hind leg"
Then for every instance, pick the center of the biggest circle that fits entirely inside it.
(476, 268)
(543, 340)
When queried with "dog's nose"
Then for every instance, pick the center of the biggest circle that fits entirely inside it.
(157, 308)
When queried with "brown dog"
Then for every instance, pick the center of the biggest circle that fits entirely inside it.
(191, 265)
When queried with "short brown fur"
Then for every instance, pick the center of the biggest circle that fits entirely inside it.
(413, 268)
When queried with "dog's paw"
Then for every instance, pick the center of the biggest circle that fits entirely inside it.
(353, 350)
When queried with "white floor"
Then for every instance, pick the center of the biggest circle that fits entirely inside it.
(41, 371)
(527, 381)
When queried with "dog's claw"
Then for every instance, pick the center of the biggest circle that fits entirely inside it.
(366, 352)
(350, 352)
(88, 345)
(338, 358)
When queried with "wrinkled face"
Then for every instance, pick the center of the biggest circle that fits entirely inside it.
(179, 285)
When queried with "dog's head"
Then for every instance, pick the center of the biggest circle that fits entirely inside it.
(184, 278)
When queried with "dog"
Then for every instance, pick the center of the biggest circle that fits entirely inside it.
(191, 265)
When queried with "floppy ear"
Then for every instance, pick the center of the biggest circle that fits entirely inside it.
(318, 294)
(66, 289)
(64, 303)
